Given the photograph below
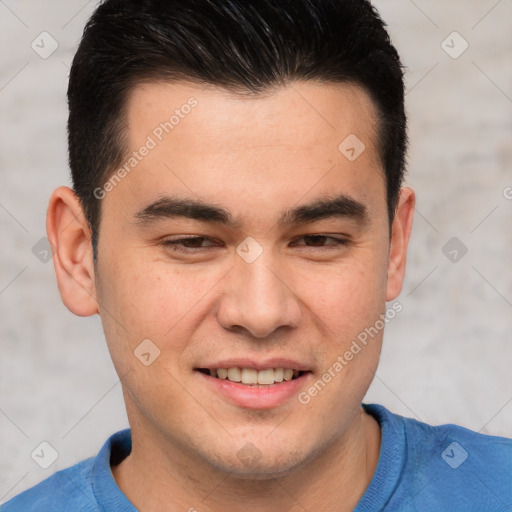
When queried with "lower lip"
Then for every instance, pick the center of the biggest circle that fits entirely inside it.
(254, 397)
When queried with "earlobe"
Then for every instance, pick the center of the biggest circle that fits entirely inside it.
(69, 235)
(400, 234)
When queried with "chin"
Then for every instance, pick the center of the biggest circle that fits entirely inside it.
(251, 463)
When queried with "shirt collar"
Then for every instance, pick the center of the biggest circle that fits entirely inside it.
(109, 496)
(392, 459)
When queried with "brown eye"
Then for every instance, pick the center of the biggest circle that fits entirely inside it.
(187, 244)
(319, 241)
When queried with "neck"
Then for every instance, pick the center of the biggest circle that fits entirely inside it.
(155, 479)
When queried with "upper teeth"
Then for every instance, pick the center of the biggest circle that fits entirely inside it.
(252, 376)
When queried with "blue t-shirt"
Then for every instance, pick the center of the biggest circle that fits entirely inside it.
(421, 468)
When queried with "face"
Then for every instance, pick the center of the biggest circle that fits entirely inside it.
(245, 236)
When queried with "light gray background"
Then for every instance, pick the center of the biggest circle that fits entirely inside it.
(447, 356)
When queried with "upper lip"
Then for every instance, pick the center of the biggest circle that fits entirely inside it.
(244, 362)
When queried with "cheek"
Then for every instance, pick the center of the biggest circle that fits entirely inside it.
(148, 298)
(145, 292)
(348, 297)
(349, 303)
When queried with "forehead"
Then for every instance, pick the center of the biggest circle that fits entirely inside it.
(280, 145)
(301, 113)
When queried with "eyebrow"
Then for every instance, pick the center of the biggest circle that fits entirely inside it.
(341, 206)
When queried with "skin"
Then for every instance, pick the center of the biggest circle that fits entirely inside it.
(256, 157)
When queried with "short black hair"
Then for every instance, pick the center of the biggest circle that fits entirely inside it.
(247, 46)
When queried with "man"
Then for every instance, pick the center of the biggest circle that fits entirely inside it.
(238, 221)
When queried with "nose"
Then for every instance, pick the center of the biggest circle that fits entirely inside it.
(258, 297)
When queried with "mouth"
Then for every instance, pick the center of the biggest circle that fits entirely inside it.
(251, 383)
(252, 377)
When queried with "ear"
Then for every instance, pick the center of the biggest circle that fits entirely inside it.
(400, 233)
(70, 238)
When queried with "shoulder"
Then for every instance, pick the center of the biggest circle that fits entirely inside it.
(446, 465)
(68, 489)
(85, 487)
(457, 444)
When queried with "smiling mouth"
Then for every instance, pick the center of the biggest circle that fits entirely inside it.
(253, 377)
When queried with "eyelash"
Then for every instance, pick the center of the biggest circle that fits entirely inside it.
(175, 244)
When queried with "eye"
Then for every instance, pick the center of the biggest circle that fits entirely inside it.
(187, 244)
(194, 244)
(318, 241)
